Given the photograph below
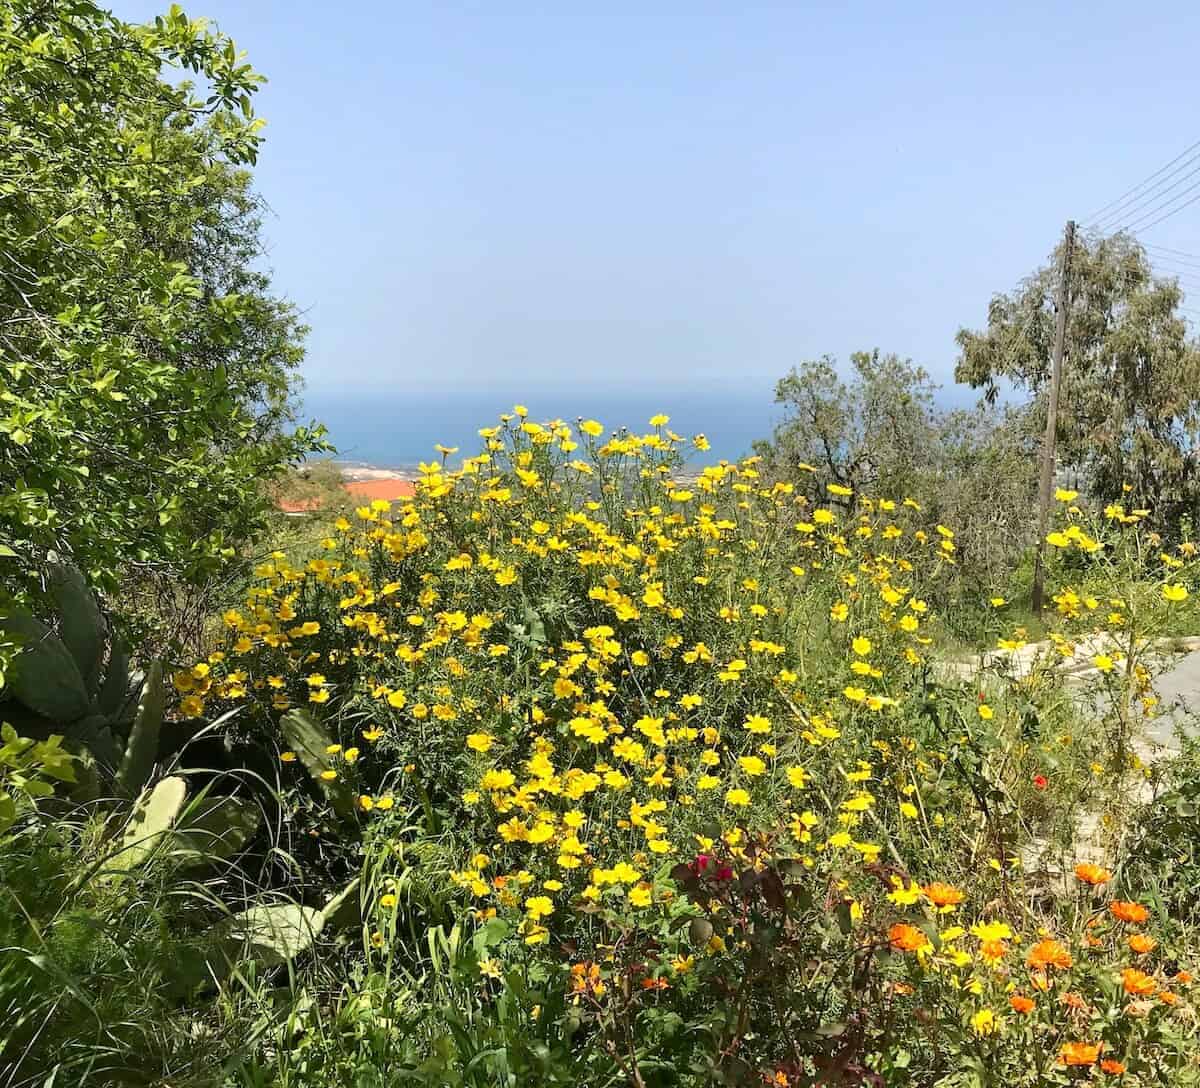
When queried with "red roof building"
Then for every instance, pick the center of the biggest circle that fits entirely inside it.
(390, 489)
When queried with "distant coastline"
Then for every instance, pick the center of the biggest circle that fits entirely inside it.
(392, 432)
(359, 471)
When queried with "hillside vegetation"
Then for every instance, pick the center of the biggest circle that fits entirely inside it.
(584, 766)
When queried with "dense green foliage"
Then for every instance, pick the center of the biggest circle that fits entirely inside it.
(144, 364)
(880, 429)
(1129, 411)
(575, 768)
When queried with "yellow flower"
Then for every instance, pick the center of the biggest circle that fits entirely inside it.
(387, 901)
(991, 931)
(737, 797)
(752, 765)
(191, 706)
(986, 712)
(497, 780)
(905, 897)
(984, 1022)
(592, 427)
(287, 757)
(539, 906)
(480, 742)
(640, 896)
(756, 723)
(861, 646)
(1175, 592)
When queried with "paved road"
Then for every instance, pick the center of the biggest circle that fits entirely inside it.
(1179, 690)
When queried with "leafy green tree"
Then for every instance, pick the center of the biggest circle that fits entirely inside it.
(871, 432)
(145, 367)
(1129, 412)
(881, 432)
(316, 485)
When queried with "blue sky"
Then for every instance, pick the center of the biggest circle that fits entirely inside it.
(669, 195)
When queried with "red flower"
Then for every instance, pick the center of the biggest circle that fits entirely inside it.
(1040, 782)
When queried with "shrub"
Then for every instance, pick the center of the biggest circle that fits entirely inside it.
(676, 745)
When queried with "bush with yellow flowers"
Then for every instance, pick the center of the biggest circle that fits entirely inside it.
(676, 742)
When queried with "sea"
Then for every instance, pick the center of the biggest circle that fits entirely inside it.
(397, 430)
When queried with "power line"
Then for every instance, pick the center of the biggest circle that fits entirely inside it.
(1174, 211)
(1167, 249)
(1122, 199)
(1136, 207)
(1140, 211)
(1175, 262)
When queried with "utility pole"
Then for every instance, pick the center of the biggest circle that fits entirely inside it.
(1062, 304)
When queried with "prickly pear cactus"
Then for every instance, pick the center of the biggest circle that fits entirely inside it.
(141, 750)
(215, 828)
(154, 815)
(275, 933)
(44, 675)
(81, 625)
(310, 742)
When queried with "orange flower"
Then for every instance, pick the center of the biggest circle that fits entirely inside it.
(1137, 983)
(1080, 1053)
(1073, 1001)
(1021, 1004)
(1092, 874)
(1168, 998)
(1129, 912)
(1142, 944)
(1112, 1067)
(993, 950)
(943, 895)
(907, 938)
(1048, 953)
(1183, 977)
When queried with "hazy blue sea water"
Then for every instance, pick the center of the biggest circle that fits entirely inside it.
(396, 429)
